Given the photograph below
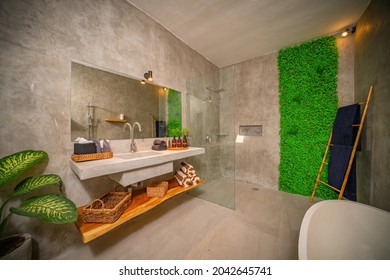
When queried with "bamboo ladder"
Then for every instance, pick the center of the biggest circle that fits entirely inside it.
(344, 184)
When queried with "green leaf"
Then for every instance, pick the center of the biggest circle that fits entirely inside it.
(13, 165)
(52, 208)
(30, 184)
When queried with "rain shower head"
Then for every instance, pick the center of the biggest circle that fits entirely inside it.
(215, 90)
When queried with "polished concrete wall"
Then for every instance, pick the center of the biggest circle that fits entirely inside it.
(257, 103)
(372, 60)
(38, 41)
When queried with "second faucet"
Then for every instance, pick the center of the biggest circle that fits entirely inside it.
(133, 146)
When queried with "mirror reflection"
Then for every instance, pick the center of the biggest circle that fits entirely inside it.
(102, 102)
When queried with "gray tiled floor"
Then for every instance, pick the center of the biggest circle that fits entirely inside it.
(220, 191)
(264, 225)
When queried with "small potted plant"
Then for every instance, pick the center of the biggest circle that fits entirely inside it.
(53, 208)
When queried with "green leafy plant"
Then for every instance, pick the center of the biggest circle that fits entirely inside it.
(185, 131)
(53, 208)
(176, 131)
(308, 105)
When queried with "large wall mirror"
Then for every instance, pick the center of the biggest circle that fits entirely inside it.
(102, 102)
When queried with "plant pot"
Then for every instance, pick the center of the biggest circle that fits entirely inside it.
(16, 247)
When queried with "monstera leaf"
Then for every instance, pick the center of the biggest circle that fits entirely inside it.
(52, 208)
(13, 165)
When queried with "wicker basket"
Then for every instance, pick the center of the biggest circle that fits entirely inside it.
(157, 189)
(107, 209)
(95, 156)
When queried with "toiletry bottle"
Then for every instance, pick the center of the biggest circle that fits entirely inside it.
(179, 142)
(185, 141)
(174, 142)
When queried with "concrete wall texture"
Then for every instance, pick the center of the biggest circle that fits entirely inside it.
(39, 39)
(372, 60)
(257, 103)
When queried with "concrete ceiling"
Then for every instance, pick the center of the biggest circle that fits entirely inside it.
(230, 31)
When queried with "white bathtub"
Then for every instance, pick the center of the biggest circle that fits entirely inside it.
(344, 230)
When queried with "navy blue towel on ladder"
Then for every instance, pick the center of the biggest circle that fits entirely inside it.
(343, 139)
(338, 163)
(343, 131)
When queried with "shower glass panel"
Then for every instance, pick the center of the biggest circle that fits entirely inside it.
(210, 117)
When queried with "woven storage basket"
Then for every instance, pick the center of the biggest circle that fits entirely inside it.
(107, 209)
(95, 156)
(157, 189)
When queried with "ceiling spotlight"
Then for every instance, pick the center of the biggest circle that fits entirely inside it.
(148, 75)
(143, 82)
(348, 31)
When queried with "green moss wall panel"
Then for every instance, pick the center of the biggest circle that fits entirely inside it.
(308, 104)
(174, 111)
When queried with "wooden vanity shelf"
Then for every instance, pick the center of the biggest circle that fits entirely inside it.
(116, 120)
(141, 203)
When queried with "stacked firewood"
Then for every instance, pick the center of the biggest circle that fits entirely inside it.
(186, 175)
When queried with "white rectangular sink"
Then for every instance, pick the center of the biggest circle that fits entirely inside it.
(129, 162)
(138, 154)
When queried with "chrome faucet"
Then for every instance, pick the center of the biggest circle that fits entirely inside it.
(133, 146)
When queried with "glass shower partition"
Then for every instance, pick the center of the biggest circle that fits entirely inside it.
(210, 117)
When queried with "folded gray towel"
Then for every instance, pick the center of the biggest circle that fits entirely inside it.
(160, 147)
(159, 142)
(97, 144)
(106, 146)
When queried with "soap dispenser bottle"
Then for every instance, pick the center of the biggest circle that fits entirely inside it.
(185, 141)
(174, 141)
(179, 142)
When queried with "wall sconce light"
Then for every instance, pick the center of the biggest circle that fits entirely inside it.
(149, 76)
(348, 31)
(143, 82)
